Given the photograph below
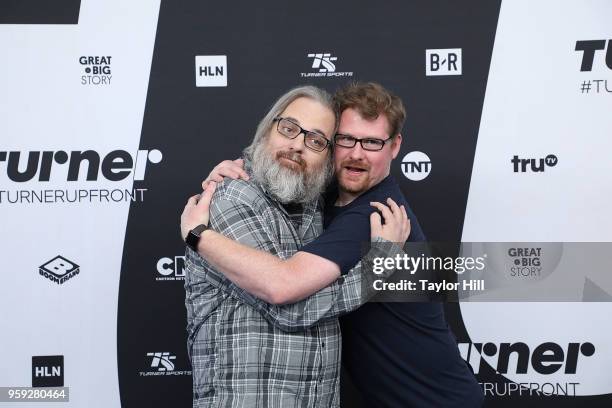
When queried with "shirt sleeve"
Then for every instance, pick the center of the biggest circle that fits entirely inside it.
(242, 223)
(344, 239)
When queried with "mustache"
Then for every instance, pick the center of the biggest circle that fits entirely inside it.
(355, 163)
(296, 157)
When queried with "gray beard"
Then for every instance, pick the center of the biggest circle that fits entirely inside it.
(286, 185)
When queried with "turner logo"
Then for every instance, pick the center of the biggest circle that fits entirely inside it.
(324, 66)
(97, 70)
(534, 165)
(81, 165)
(59, 270)
(443, 62)
(512, 359)
(162, 363)
(47, 371)
(211, 70)
(171, 269)
(74, 166)
(589, 49)
(416, 166)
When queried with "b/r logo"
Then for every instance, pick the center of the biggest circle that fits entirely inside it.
(59, 270)
(443, 62)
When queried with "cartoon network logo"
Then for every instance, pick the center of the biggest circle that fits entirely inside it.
(171, 269)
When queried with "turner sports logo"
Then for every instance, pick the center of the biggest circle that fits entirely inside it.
(75, 166)
(519, 358)
(324, 66)
(162, 363)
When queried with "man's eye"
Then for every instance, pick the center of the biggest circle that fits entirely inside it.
(372, 142)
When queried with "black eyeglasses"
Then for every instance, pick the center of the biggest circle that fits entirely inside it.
(312, 140)
(371, 144)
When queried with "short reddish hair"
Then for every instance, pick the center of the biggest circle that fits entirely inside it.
(371, 100)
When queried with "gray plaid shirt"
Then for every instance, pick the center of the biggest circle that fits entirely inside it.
(248, 353)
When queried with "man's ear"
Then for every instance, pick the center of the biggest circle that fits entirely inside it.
(396, 144)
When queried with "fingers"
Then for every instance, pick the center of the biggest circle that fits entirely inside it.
(386, 213)
(229, 168)
(206, 196)
(375, 224)
(193, 200)
(395, 210)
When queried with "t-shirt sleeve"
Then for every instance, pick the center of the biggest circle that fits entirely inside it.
(344, 239)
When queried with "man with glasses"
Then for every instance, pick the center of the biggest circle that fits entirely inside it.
(398, 354)
(239, 358)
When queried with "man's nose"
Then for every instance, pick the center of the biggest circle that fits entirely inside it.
(357, 152)
(297, 143)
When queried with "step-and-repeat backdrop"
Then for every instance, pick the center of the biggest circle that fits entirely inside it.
(112, 112)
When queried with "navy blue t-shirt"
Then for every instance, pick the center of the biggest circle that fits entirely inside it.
(397, 354)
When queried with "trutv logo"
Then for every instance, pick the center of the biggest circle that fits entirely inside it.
(589, 49)
(535, 165)
(77, 165)
(519, 358)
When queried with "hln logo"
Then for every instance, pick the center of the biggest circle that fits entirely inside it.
(443, 62)
(416, 166)
(47, 371)
(589, 48)
(535, 165)
(211, 70)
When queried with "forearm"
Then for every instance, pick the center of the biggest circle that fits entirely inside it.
(258, 272)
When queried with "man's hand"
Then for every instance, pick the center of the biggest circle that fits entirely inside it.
(196, 210)
(397, 223)
(233, 169)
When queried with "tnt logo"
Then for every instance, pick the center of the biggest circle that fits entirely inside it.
(162, 361)
(416, 166)
(59, 270)
(171, 268)
(535, 165)
(325, 60)
(589, 49)
(211, 70)
(47, 371)
(443, 62)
